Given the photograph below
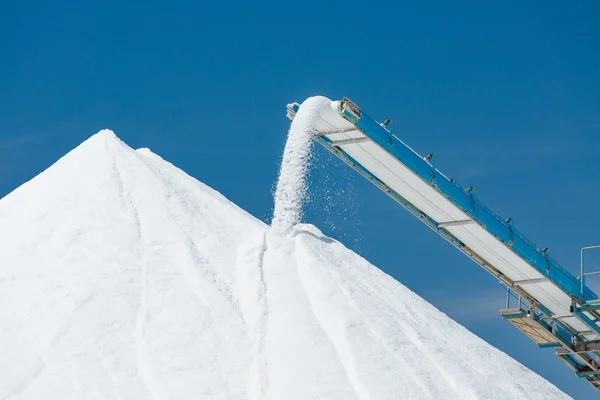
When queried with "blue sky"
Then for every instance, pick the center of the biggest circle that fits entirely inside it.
(506, 94)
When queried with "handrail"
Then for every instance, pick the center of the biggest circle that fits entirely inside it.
(582, 274)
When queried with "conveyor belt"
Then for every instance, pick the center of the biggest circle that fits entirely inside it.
(561, 310)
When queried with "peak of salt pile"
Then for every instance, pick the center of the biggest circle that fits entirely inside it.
(121, 277)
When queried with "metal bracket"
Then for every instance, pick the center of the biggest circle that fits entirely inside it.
(511, 232)
(349, 110)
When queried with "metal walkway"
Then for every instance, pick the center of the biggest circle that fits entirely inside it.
(555, 308)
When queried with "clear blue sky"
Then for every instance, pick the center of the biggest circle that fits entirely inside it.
(507, 95)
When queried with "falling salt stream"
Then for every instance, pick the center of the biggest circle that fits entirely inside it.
(291, 184)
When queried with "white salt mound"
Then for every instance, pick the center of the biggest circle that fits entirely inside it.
(121, 277)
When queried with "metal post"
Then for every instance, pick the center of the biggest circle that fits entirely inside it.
(507, 297)
(581, 276)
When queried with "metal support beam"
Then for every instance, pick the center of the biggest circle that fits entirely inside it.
(585, 374)
(350, 141)
(590, 306)
(570, 362)
(557, 317)
(547, 345)
(530, 281)
(455, 223)
(586, 320)
(333, 132)
(590, 332)
(583, 347)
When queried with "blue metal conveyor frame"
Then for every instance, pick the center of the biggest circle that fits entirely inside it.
(555, 308)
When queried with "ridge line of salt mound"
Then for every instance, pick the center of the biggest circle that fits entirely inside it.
(82, 152)
(107, 133)
(291, 184)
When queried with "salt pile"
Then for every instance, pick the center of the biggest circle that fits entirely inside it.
(121, 277)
